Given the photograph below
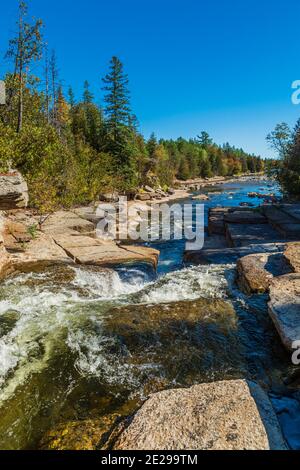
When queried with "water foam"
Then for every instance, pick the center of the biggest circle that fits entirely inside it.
(44, 309)
(188, 284)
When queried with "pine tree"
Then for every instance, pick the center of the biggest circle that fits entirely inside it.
(204, 139)
(47, 95)
(289, 176)
(54, 85)
(88, 97)
(152, 144)
(120, 134)
(62, 110)
(71, 97)
(25, 48)
(117, 110)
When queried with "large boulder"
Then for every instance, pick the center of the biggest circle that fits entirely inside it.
(256, 271)
(109, 197)
(148, 189)
(292, 255)
(13, 191)
(4, 261)
(229, 415)
(284, 307)
(143, 197)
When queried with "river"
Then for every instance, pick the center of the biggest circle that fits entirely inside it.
(81, 343)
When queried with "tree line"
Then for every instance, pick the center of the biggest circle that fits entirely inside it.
(286, 142)
(70, 150)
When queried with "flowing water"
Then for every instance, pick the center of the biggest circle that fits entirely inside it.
(78, 343)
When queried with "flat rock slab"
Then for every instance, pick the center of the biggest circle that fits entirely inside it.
(284, 307)
(289, 231)
(292, 255)
(88, 213)
(245, 217)
(215, 416)
(91, 251)
(63, 222)
(13, 191)
(38, 253)
(245, 234)
(229, 255)
(256, 271)
(216, 223)
(284, 221)
(292, 210)
(276, 216)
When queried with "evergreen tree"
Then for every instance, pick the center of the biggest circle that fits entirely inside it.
(62, 110)
(152, 144)
(117, 110)
(289, 174)
(23, 49)
(88, 97)
(71, 97)
(120, 133)
(204, 139)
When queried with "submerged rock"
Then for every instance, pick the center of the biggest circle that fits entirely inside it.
(189, 340)
(215, 416)
(13, 191)
(284, 307)
(79, 435)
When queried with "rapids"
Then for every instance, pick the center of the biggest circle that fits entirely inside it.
(79, 343)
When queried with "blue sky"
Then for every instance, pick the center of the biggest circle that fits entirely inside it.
(224, 66)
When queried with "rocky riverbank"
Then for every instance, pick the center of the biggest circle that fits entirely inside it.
(202, 183)
(264, 243)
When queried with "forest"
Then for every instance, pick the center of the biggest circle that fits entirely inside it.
(70, 149)
(286, 142)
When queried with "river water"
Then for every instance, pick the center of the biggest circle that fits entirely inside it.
(80, 343)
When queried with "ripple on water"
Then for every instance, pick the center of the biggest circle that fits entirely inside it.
(67, 334)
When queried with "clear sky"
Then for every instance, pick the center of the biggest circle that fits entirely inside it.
(225, 66)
